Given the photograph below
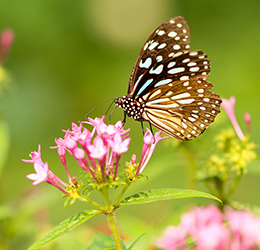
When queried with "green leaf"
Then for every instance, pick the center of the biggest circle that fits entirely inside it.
(163, 195)
(64, 227)
(102, 241)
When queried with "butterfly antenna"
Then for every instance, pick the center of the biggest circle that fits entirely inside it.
(109, 118)
(100, 105)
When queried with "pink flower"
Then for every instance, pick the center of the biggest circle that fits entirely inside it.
(91, 150)
(213, 237)
(245, 229)
(228, 106)
(174, 238)
(149, 146)
(41, 173)
(98, 150)
(210, 229)
(118, 145)
(6, 41)
(201, 217)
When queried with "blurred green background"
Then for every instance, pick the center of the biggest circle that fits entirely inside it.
(69, 56)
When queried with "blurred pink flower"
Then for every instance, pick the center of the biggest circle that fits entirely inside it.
(229, 107)
(6, 41)
(210, 229)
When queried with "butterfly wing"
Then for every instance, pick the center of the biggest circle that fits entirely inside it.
(168, 84)
(182, 110)
(168, 40)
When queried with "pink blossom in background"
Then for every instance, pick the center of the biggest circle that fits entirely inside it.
(6, 41)
(210, 229)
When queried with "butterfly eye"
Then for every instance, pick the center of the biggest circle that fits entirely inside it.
(168, 86)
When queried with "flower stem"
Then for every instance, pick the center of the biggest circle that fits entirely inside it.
(236, 182)
(113, 227)
(93, 203)
(121, 194)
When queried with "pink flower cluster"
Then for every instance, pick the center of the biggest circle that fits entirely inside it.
(210, 229)
(95, 151)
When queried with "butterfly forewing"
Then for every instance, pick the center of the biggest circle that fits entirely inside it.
(168, 86)
(171, 38)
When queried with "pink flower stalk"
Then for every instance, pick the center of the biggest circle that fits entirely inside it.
(210, 229)
(247, 118)
(6, 41)
(228, 106)
(43, 174)
(150, 143)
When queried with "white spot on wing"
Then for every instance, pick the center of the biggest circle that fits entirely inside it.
(162, 82)
(161, 32)
(194, 69)
(146, 64)
(161, 46)
(171, 64)
(157, 92)
(157, 71)
(183, 95)
(159, 58)
(146, 84)
(186, 101)
(172, 34)
(176, 47)
(183, 78)
(153, 45)
(176, 70)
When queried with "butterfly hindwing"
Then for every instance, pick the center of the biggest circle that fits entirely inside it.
(183, 110)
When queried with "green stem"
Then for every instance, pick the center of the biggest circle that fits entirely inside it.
(93, 203)
(113, 227)
(106, 197)
(190, 172)
(121, 194)
(234, 186)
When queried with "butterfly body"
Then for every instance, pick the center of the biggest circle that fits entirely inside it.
(168, 87)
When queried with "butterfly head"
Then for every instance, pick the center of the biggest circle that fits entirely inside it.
(131, 107)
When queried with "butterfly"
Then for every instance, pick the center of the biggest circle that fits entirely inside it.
(168, 87)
